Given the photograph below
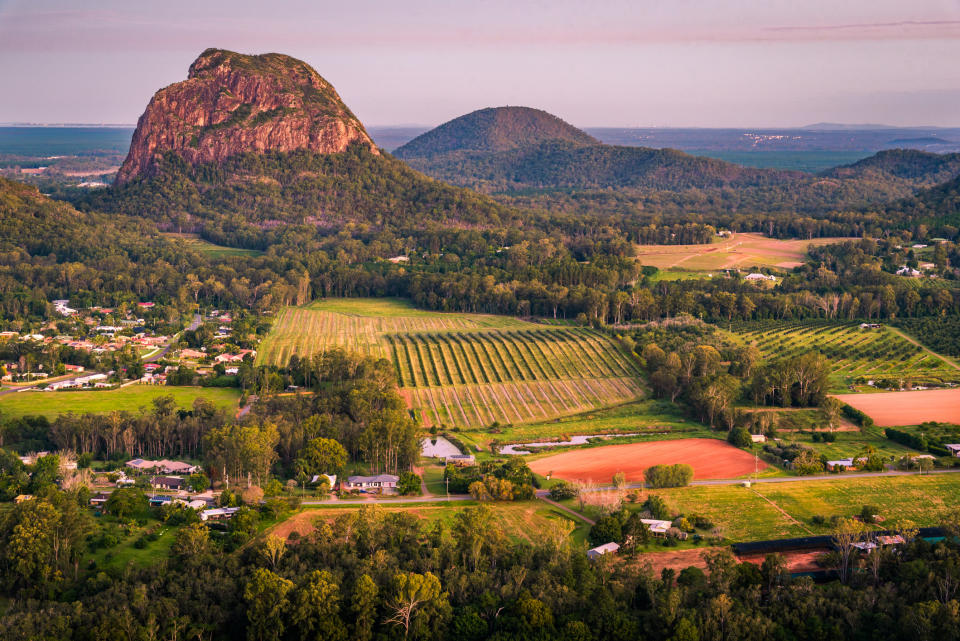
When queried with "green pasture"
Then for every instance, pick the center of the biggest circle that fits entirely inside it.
(652, 419)
(746, 514)
(131, 399)
(209, 249)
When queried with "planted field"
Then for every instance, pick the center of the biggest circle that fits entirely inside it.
(710, 459)
(783, 510)
(855, 355)
(360, 325)
(130, 399)
(891, 409)
(739, 251)
(466, 370)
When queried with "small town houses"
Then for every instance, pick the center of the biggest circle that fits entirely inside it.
(163, 466)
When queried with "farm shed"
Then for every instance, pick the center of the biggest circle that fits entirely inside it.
(607, 548)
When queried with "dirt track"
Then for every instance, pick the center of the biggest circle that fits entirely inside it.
(710, 458)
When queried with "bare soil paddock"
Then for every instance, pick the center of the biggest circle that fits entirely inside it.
(710, 459)
(741, 250)
(889, 409)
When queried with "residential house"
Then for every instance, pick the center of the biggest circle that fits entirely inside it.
(20, 498)
(755, 277)
(168, 482)
(607, 548)
(758, 438)
(954, 448)
(218, 513)
(98, 499)
(378, 482)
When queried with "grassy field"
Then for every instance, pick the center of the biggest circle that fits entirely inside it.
(747, 514)
(131, 398)
(193, 241)
(651, 419)
(126, 553)
(849, 444)
(741, 251)
(466, 370)
(518, 521)
(854, 353)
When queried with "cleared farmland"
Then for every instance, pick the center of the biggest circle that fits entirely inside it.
(855, 354)
(468, 370)
(742, 250)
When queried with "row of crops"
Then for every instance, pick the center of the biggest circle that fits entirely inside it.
(305, 331)
(475, 406)
(461, 358)
(468, 370)
(853, 351)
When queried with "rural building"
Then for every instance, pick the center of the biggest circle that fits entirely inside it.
(758, 438)
(607, 548)
(399, 259)
(954, 448)
(330, 478)
(462, 460)
(218, 513)
(755, 277)
(657, 526)
(167, 482)
(380, 481)
(869, 325)
(908, 271)
(20, 498)
(98, 499)
(158, 500)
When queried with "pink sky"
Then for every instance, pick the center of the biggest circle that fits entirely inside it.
(619, 63)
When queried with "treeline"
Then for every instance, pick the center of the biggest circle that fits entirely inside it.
(709, 375)
(371, 574)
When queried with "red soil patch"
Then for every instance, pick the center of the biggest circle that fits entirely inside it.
(888, 409)
(795, 560)
(710, 458)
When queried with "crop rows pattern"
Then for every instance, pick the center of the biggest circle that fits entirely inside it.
(852, 351)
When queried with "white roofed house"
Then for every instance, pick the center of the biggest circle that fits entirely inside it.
(954, 448)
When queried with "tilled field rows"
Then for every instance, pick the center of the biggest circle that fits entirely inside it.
(455, 358)
(517, 402)
(304, 331)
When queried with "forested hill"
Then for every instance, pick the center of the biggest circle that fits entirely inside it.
(936, 207)
(564, 165)
(235, 201)
(905, 166)
(492, 130)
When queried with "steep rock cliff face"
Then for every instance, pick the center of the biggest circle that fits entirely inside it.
(232, 103)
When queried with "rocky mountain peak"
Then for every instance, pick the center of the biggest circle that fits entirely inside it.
(232, 103)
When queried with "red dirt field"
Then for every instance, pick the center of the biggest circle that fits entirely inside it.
(710, 458)
(889, 409)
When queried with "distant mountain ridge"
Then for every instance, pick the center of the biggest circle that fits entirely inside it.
(511, 148)
(495, 129)
(232, 103)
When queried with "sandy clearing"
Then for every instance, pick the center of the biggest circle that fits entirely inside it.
(889, 409)
(710, 458)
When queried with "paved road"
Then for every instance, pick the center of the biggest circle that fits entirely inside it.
(389, 502)
(156, 356)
